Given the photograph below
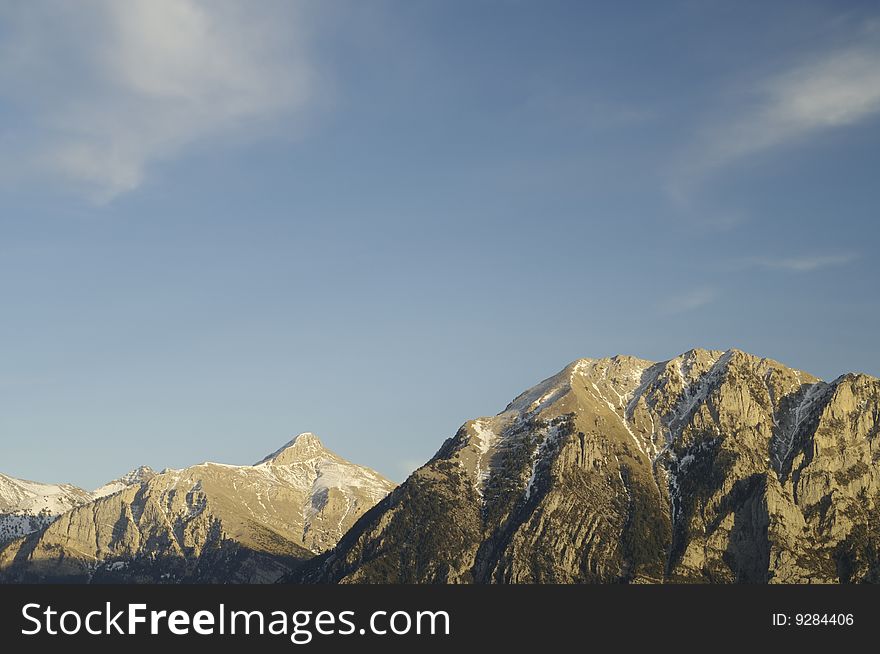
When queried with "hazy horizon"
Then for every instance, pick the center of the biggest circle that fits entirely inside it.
(224, 224)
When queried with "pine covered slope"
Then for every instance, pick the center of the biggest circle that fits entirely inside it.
(211, 522)
(710, 467)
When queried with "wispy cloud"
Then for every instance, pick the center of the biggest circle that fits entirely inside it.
(688, 301)
(803, 264)
(836, 88)
(841, 89)
(102, 90)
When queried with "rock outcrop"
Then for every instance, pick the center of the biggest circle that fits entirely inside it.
(713, 467)
(207, 523)
(26, 506)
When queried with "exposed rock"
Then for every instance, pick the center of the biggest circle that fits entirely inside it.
(26, 506)
(710, 467)
(211, 522)
(134, 478)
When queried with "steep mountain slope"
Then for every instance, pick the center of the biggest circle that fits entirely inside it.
(211, 522)
(26, 506)
(709, 467)
(134, 478)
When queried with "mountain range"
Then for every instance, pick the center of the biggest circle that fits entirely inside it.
(28, 506)
(710, 467)
(208, 523)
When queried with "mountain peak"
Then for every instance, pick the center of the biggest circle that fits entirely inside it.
(302, 446)
(297, 503)
(307, 437)
(138, 474)
(691, 469)
(132, 478)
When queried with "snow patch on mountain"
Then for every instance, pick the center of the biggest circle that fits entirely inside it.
(136, 476)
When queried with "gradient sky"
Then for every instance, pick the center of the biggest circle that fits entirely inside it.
(225, 223)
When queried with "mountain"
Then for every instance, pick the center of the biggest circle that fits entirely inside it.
(710, 467)
(207, 523)
(28, 506)
(134, 478)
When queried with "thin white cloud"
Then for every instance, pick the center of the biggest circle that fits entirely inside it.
(841, 89)
(805, 263)
(102, 90)
(837, 88)
(688, 301)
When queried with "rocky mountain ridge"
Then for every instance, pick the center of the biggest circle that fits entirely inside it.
(133, 478)
(709, 467)
(210, 522)
(26, 506)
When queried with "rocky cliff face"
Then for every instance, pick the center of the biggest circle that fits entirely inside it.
(26, 506)
(134, 478)
(210, 523)
(710, 467)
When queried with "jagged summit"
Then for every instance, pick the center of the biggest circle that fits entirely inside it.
(138, 474)
(625, 376)
(210, 522)
(652, 401)
(716, 466)
(132, 478)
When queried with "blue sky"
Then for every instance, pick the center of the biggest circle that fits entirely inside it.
(225, 223)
